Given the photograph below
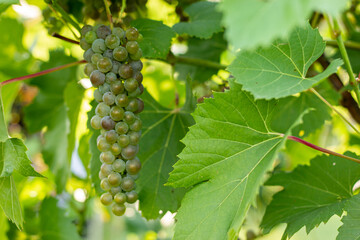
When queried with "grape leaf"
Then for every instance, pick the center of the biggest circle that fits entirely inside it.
(4, 4)
(9, 201)
(312, 194)
(280, 70)
(4, 226)
(209, 49)
(205, 20)
(350, 229)
(250, 23)
(226, 156)
(160, 143)
(13, 158)
(54, 224)
(157, 38)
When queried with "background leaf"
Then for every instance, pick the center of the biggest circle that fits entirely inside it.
(350, 230)
(4, 4)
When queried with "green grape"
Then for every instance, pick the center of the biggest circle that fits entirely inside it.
(101, 176)
(117, 88)
(138, 77)
(132, 47)
(132, 34)
(134, 137)
(136, 126)
(114, 179)
(129, 152)
(107, 157)
(111, 136)
(104, 88)
(110, 78)
(125, 71)
(117, 113)
(95, 58)
(116, 66)
(120, 198)
(112, 41)
(109, 54)
(127, 184)
(140, 106)
(133, 105)
(98, 95)
(118, 209)
(122, 100)
(104, 64)
(103, 31)
(109, 98)
(103, 145)
(132, 176)
(98, 45)
(121, 128)
(97, 78)
(85, 29)
(131, 197)
(119, 165)
(120, 54)
(137, 66)
(131, 84)
(115, 190)
(106, 199)
(124, 140)
(90, 37)
(140, 38)
(88, 54)
(119, 32)
(129, 117)
(106, 169)
(116, 149)
(135, 93)
(105, 185)
(137, 56)
(95, 122)
(84, 45)
(89, 68)
(102, 109)
(133, 166)
(107, 123)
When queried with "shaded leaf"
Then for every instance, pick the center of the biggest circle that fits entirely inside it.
(4, 4)
(9, 201)
(350, 229)
(280, 70)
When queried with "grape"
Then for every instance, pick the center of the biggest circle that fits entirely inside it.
(110, 78)
(109, 98)
(117, 113)
(115, 190)
(90, 37)
(137, 56)
(106, 169)
(106, 199)
(111, 136)
(85, 29)
(116, 149)
(135, 93)
(138, 77)
(132, 47)
(112, 41)
(122, 100)
(118, 209)
(104, 88)
(98, 45)
(129, 152)
(117, 88)
(132, 34)
(134, 137)
(129, 117)
(97, 78)
(88, 54)
(140, 106)
(133, 166)
(102, 109)
(103, 145)
(89, 68)
(119, 32)
(131, 197)
(108, 53)
(101, 176)
(98, 95)
(121, 128)
(84, 45)
(95, 58)
(120, 54)
(136, 126)
(116, 66)
(114, 179)
(107, 123)
(96, 122)
(107, 157)
(131, 84)
(137, 66)
(105, 185)
(123, 140)
(125, 71)
(104, 64)
(103, 31)
(119, 166)
(120, 198)
(127, 184)
(133, 105)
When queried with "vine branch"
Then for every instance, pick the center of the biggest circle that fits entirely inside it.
(56, 35)
(348, 44)
(108, 13)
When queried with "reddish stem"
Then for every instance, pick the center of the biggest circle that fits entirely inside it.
(299, 140)
(41, 73)
(56, 35)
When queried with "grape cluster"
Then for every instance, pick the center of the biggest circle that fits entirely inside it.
(114, 69)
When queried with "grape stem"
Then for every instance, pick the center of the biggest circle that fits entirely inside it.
(56, 35)
(123, 6)
(313, 146)
(348, 44)
(41, 73)
(108, 13)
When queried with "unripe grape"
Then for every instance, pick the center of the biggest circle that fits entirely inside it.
(119, 166)
(135, 93)
(95, 58)
(106, 169)
(140, 38)
(119, 32)
(104, 88)
(114, 179)
(140, 106)
(132, 34)
(98, 45)
(117, 113)
(134, 137)
(107, 123)
(122, 100)
(131, 197)
(103, 31)
(115, 149)
(97, 78)
(127, 184)
(116, 66)
(115, 190)
(90, 37)
(137, 56)
(120, 53)
(84, 45)
(103, 145)
(89, 68)
(95, 122)
(136, 126)
(133, 166)
(118, 209)
(85, 29)
(107, 157)
(106, 199)
(133, 105)
(110, 78)
(129, 117)
(117, 87)
(120, 198)
(105, 185)
(132, 47)
(125, 71)
(102, 109)
(121, 128)
(135, 177)
(138, 77)
(137, 66)
(129, 152)
(123, 140)
(109, 98)
(111, 136)
(112, 41)
(108, 53)
(101, 176)
(88, 54)
(131, 84)
(104, 64)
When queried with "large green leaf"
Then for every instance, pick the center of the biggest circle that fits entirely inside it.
(9, 201)
(226, 156)
(4, 226)
(160, 143)
(250, 23)
(54, 224)
(350, 229)
(205, 20)
(4, 4)
(209, 49)
(157, 38)
(312, 194)
(280, 70)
